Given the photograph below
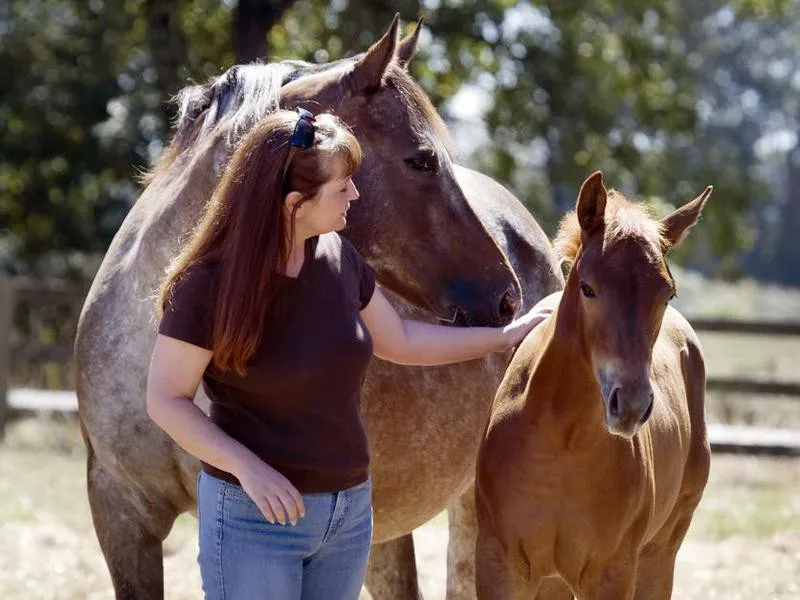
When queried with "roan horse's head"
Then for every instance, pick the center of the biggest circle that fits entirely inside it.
(413, 223)
(618, 290)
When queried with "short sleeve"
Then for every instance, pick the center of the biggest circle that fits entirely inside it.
(364, 276)
(188, 313)
(367, 283)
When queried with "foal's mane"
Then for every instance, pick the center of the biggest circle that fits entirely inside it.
(244, 94)
(623, 219)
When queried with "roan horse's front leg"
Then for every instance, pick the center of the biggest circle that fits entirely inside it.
(392, 570)
(462, 537)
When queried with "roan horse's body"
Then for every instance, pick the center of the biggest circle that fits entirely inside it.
(423, 223)
(596, 454)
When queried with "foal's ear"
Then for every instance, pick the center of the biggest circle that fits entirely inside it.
(367, 73)
(408, 46)
(591, 207)
(675, 225)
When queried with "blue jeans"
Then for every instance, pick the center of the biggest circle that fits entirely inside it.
(243, 556)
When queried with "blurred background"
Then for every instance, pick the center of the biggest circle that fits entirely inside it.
(664, 97)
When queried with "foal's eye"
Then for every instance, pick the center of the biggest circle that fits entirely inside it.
(587, 291)
(424, 161)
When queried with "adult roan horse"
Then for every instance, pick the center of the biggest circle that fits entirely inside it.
(443, 241)
(578, 495)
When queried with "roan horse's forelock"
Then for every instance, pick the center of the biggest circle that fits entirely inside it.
(623, 219)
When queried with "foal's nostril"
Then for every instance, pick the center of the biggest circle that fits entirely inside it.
(613, 403)
(509, 306)
(649, 410)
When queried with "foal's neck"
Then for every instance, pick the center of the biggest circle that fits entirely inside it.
(564, 392)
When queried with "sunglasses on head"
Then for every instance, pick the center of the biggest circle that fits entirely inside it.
(302, 137)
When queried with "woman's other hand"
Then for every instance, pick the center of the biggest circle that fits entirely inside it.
(274, 495)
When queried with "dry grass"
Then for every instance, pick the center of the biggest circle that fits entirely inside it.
(748, 298)
(744, 542)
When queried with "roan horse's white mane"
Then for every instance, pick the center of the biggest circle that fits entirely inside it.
(229, 105)
(241, 96)
(234, 101)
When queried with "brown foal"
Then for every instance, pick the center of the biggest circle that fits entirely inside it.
(596, 454)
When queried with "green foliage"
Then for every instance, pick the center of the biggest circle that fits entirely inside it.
(207, 25)
(67, 146)
(647, 92)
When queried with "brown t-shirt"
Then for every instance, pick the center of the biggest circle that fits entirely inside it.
(298, 407)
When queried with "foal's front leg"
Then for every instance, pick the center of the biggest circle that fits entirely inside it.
(463, 532)
(494, 569)
(554, 588)
(616, 582)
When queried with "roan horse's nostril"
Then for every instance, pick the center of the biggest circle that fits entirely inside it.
(509, 306)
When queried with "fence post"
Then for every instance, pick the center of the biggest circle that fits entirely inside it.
(6, 322)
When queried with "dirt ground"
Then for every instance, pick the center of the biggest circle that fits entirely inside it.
(743, 544)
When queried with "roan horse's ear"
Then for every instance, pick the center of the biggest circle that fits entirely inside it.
(591, 207)
(675, 225)
(368, 71)
(408, 46)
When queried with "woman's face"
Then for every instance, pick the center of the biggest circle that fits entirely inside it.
(328, 210)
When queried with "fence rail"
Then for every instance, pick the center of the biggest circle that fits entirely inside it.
(741, 385)
(723, 438)
(771, 328)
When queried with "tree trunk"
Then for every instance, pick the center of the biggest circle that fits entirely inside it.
(252, 19)
(787, 248)
(167, 46)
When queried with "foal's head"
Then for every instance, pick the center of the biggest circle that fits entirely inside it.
(618, 290)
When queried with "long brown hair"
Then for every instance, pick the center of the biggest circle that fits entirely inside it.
(244, 233)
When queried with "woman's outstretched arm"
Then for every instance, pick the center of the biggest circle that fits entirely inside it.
(416, 343)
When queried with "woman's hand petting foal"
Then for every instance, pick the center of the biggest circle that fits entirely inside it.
(516, 331)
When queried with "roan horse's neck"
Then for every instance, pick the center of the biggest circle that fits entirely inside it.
(564, 395)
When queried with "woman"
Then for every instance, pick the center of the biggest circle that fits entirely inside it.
(278, 316)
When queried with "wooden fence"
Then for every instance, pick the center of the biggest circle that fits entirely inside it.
(744, 385)
(26, 310)
(724, 438)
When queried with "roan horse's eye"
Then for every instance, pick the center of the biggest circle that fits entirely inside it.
(587, 291)
(424, 161)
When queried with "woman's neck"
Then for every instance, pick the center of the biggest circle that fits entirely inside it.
(297, 253)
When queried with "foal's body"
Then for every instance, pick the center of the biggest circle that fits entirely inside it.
(561, 499)
(564, 468)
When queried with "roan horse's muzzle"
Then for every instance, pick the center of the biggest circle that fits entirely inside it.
(471, 307)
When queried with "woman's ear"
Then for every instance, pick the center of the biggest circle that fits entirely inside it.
(291, 200)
